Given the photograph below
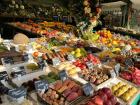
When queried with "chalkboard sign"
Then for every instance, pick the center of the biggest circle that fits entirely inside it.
(25, 57)
(56, 61)
(18, 92)
(89, 65)
(3, 75)
(63, 75)
(88, 89)
(41, 85)
(18, 72)
(7, 60)
(42, 64)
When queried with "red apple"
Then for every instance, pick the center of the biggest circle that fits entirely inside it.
(90, 103)
(103, 96)
(107, 91)
(97, 100)
(108, 102)
(113, 100)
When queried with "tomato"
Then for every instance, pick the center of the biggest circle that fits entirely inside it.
(35, 54)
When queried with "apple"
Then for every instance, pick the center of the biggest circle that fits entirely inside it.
(107, 91)
(97, 100)
(113, 100)
(103, 95)
(108, 102)
(90, 103)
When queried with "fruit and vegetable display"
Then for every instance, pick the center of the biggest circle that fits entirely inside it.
(51, 77)
(124, 91)
(58, 66)
(103, 96)
(49, 29)
(69, 68)
(132, 75)
(62, 93)
(95, 77)
(81, 63)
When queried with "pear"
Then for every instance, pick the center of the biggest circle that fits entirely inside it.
(77, 55)
(78, 50)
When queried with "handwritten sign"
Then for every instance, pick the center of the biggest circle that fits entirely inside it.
(89, 65)
(3, 75)
(18, 92)
(63, 75)
(88, 89)
(56, 61)
(41, 85)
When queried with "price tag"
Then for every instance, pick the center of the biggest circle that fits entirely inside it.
(42, 64)
(112, 74)
(88, 89)
(63, 75)
(18, 72)
(129, 62)
(25, 57)
(3, 75)
(41, 85)
(7, 60)
(70, 57)
(136, 58)
(106, 59)
(17, 93)
(56, 61)
(117, 68)
(89, 65)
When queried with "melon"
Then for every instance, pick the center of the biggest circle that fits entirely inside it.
(20, 39)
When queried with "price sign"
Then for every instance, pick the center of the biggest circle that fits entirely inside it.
(41, 85)
(112, 74)
(42, 64)
(70, 57)
(89, 65)
(117, 68)
(106, 59)
(56, 61)
(136, 58)
(88, 89)
(7, 60)
(129, 62)
(25, 57)
(17, 93)
(3, 75)
(18, 72)
(63, 75)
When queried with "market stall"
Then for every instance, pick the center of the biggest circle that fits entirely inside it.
(64, 64)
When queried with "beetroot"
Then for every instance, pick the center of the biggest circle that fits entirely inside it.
(67, 92)
(72, 96)
(75, 89)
